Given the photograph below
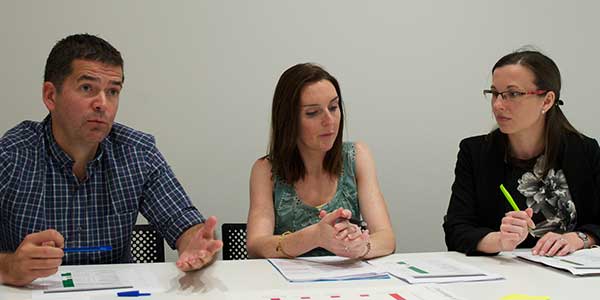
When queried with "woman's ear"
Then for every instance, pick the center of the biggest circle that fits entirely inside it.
(549, 101)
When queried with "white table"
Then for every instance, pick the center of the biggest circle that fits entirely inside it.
(254, 275)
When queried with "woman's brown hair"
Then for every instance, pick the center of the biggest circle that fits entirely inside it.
(283, 150)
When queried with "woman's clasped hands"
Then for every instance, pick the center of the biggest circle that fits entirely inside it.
(340, 236)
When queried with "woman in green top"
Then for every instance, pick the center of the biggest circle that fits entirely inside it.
(310, 184)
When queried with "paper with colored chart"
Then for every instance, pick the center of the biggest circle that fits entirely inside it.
(431, 269)
(325, 268)
(80, 280)
(405, 292)
(75, 282)
(581, 262)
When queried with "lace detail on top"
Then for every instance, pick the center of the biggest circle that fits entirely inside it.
(291, 214)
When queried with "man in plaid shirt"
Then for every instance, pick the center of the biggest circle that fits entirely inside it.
(77, 179)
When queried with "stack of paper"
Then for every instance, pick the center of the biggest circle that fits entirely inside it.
(417, 269)
(325, 268)
(582, 262)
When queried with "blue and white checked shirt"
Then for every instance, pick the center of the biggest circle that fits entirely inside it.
(39, 191)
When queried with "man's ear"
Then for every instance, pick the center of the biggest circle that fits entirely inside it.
(49, 93)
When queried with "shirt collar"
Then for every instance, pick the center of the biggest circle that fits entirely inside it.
(60, 155)
(57, 153)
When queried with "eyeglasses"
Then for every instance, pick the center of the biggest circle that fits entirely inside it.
(510, 95)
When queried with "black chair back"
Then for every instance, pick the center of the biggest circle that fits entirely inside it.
(147, 245)
(234, 241)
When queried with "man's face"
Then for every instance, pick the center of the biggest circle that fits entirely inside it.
(84, 110)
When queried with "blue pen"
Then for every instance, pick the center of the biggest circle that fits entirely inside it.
(88, 249)
(132, 294)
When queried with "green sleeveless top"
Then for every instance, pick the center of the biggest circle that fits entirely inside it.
(291, 214)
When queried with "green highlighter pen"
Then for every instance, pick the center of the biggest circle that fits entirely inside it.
(512, 202)
(509, 198)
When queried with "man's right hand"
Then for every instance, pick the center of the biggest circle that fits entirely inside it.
(39, 255)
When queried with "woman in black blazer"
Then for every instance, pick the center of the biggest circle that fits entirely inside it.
(551, 170)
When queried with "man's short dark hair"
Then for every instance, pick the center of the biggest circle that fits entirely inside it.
(78, 46)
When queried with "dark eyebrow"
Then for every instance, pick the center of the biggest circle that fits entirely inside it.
(508, 87)
(334, 99)
(96, 79)
(88, 78)
(114, 82)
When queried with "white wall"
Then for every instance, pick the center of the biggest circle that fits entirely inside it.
(200, 76)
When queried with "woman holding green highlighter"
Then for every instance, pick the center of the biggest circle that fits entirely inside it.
(534, 182)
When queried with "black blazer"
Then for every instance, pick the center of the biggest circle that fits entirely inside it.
(477, 206)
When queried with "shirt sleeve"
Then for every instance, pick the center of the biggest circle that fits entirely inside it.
(6, 171)
(6, 174)
(165, 203)
(461, 228)
(593, 228)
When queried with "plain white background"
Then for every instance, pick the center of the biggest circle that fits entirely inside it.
(200, 77)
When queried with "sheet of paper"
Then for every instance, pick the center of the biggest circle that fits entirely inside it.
(83, 283)
(80, 280)
(417, 269)
(406, 292)
(524, 297)
(324, 268)
(582, 262)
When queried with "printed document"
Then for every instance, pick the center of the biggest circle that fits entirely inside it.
(406, 292)
(581, 262)
(325, 268)
(431, 269)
